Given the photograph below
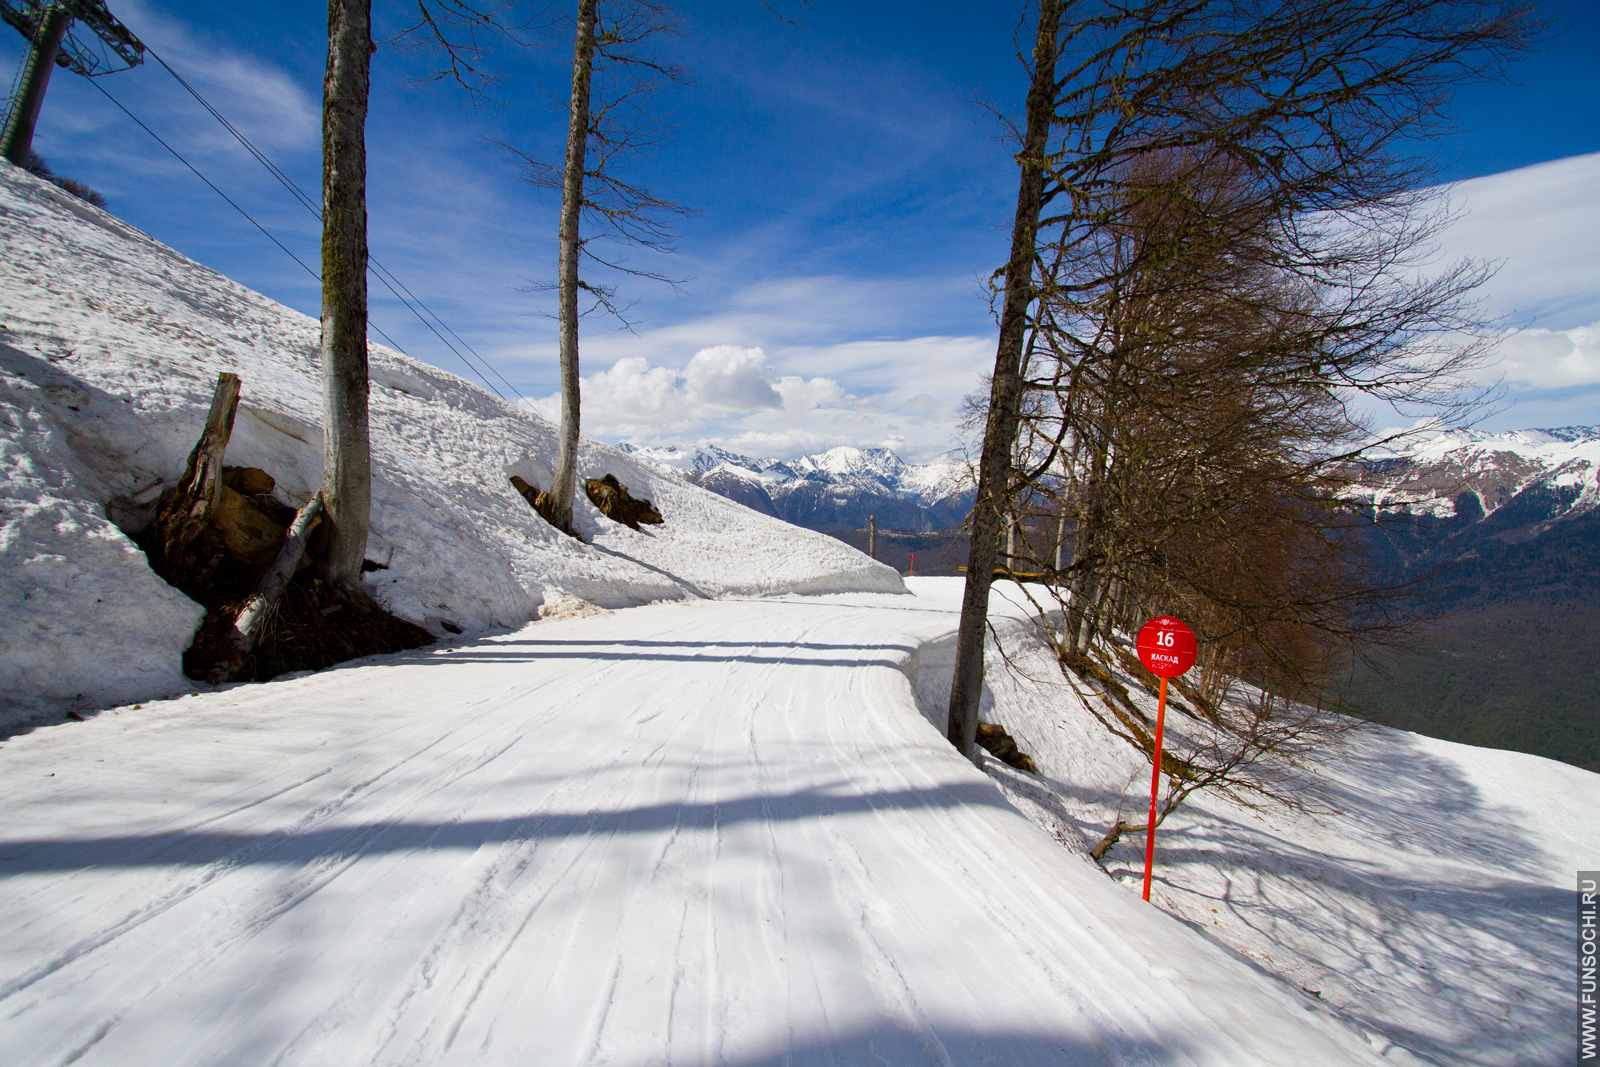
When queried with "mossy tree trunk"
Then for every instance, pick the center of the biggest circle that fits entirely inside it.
(347, 450)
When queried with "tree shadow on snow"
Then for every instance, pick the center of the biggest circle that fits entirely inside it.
(1461, 926)
(295, 847)
(762, 652)
(892, 1042)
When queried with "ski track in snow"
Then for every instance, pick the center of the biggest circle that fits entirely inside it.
(686, 833)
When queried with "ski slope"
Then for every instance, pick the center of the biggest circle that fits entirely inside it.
(685, 833)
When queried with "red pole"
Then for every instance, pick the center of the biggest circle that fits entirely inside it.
(913, 563)
(1155, 791)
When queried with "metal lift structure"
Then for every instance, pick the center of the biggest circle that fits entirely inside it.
(97, 45)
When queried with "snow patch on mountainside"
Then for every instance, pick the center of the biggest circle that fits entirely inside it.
(1428, 472)
(110, 346)
(836, 489)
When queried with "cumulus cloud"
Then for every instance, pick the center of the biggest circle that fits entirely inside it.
(719, 385)
(1550, 359)
(733, 396)
(801, 395)
(730, 377)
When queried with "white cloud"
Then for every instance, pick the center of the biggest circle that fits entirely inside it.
(801, 395)
(733, 396)
(721, 383)
(730, 377)
(1549, 359)
(1542, 224)
(260, 98)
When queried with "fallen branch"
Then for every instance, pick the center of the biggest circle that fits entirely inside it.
(1113, 835)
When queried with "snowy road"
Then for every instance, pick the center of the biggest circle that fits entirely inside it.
(697, 833)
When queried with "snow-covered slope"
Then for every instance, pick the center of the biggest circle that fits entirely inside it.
(110, 345)
(832, 490)
(1422, 891)
(697, 833)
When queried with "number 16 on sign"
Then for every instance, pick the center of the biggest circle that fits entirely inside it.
(1167, 648)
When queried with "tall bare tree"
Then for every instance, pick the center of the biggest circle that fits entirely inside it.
(564, 484)
(347, 449)
(1005, 385)
(1268, 137)
(612, 41)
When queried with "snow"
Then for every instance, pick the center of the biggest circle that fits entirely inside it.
(1440, 464)
(109, 352)
(695, 832)
(872, 469)
(1424, 890)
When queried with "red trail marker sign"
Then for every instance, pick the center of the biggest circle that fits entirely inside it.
(1167, 648)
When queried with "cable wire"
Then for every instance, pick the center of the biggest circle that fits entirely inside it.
(203, 178)
(383, 274)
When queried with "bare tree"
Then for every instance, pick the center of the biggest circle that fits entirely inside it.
(606, 125)
(563, 485)
(1227, 156)
(1005, 387)
(347, 449)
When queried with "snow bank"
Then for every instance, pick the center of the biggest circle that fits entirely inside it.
(110, 345)
(1424, 892)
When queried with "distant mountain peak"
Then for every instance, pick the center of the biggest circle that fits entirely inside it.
(832, 490)
(1431, 472)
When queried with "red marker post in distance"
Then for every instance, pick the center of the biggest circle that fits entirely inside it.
(1167, 648)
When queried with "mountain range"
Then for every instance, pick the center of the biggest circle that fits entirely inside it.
(830, 491)
(1502, 533)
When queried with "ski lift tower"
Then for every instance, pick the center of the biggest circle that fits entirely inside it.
(106, 48)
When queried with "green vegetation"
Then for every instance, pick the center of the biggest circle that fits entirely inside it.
(1517, 663)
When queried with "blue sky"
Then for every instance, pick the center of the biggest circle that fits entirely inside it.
(849, 198)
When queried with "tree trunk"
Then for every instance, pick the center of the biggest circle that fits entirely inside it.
(188, 510)
(347, 449)
(1005, 393)
(1061, 535)
(564, 485)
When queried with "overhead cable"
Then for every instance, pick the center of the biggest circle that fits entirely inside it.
(392, 282)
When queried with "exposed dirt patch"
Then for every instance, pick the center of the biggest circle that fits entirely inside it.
(312, 626)
(618, 505)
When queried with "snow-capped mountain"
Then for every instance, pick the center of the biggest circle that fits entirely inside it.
(833, 490)
(1501, 535)
(1523, 498)
(1539, 475)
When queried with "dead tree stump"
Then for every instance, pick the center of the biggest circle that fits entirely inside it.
(186, 512)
